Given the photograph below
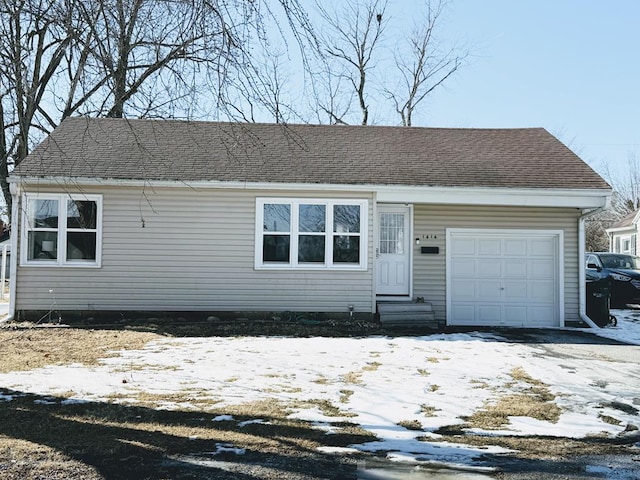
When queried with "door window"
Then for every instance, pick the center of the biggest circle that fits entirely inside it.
(392, 233)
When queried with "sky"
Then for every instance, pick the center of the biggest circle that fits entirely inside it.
(377, 382)
(570, 66)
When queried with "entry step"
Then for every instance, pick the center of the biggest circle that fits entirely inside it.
(407, 314)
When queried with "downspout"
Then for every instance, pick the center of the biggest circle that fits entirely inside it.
(581, 266)
(15, 233)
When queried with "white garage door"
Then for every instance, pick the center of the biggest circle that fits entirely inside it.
(503, 278)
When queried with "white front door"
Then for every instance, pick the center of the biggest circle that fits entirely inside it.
(393, 250)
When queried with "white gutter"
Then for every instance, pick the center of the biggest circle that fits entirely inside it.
(521, 197)
(581, 266)
(15, 232)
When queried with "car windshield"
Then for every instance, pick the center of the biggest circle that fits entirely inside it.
(628, 262)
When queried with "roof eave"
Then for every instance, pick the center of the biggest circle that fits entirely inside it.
(626, 229)
(507, 196)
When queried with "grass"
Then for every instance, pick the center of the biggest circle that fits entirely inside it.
(42, 437)
(533, 400)
(371, 367)
(428, 410)
(46, 438)
(98, 440)
(411, 424)
(345, 395)
(22, 350)
(354, 378)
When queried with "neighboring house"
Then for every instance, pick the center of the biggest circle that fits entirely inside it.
(485, 226)
(623, 235)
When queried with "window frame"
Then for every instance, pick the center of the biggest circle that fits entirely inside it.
(625, 241)
(62, 231)
(295, 233)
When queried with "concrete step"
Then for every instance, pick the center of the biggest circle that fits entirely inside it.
(389, 307)
(407, 314)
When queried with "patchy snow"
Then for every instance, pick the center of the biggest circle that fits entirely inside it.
(222, 418)
(627, 330)
(400, 389)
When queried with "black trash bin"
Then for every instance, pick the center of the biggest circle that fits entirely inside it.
(598, 297)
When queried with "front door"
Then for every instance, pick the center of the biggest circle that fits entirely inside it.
(393, 250)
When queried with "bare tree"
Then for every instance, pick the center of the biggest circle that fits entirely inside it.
(596, 237)
(624, 201)
(328, 97)
(261, 88)
(426, 67)
(119, 58)
(356, 49)
(352, 39)
(149, 58)
(34, 37)
(626, 185)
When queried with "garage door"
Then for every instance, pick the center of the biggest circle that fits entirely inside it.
(503, 278)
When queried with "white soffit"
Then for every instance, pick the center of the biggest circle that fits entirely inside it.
(531, 197)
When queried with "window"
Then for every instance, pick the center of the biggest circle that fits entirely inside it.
(624, 244)
(62, 230)
(593, 260)
(310, 233)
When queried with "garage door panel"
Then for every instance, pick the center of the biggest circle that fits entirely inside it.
(489, 290)
(543, 247)
(516, 291)
(489, 246)
(515, 268)
(542, 269)
(463, 268)
(464, 291)
(464, 246)
(515, 315)
(503, 278)
(515, 247)
(489, 314)
(543, 316)
(489, 268)
(542, 292)
(465, 314)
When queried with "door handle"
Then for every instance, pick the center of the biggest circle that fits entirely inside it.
(377, 252)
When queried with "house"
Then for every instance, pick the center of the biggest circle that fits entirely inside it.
(623, 234)
(480, 226)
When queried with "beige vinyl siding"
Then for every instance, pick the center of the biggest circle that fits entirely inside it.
(430, 222)
(617, 240)
(173, 249)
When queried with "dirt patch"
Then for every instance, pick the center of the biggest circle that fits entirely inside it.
(28, 348)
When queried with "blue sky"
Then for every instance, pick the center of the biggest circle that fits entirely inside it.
(570, 66)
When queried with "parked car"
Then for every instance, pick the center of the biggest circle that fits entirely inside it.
(624, 272)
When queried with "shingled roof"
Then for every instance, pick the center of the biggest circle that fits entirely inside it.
(626, 221)
(309, 154)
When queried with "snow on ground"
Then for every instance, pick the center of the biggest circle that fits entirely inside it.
(379, 383)
(627, 329)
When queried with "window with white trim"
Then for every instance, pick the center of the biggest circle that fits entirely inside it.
(62, 229)
(625, 244)
(311, 233)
